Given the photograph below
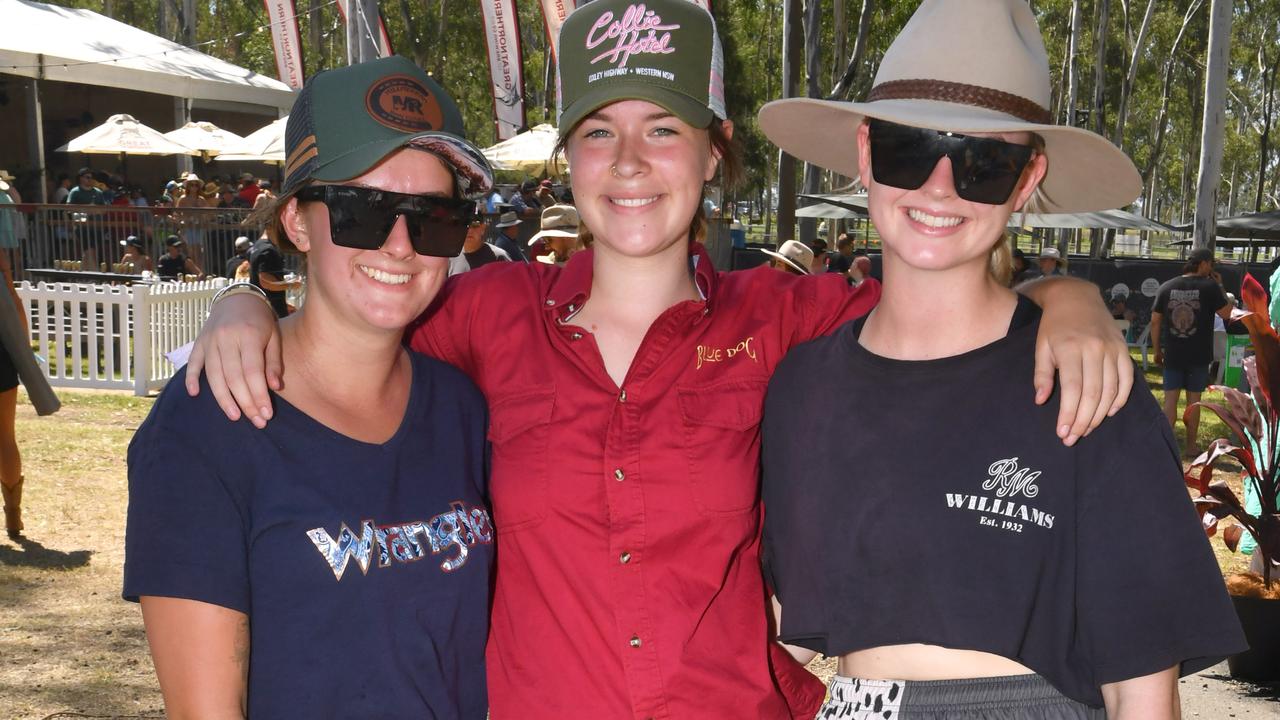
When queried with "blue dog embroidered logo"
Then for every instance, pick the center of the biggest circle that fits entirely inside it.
(456, 531)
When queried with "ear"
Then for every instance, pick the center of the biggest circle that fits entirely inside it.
(864, 153)
(295, 225)
(714, 163)
(1031, 177)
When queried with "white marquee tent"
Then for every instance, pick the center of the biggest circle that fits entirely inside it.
(57, 43)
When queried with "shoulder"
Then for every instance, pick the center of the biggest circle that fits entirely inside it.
(189, 422)
(442, 379)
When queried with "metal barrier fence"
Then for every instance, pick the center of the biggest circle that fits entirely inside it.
(91, 234)
(114, 336)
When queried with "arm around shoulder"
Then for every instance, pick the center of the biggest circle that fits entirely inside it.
(238, 350)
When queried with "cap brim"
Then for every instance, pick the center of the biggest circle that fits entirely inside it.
(507, 225)
(1086, 172)
(785, 259)
(695, 113)
(553, 233)
(469, 166)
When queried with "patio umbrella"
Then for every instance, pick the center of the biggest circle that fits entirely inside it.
(123, 135)
(529, 152)
(205, 137)
(266, 144)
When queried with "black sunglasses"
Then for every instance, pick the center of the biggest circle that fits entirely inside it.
(362, 218)
(985, 170)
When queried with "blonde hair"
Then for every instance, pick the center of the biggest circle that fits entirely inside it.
(1002, 252)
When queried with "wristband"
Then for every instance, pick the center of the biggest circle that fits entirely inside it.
(240, 288)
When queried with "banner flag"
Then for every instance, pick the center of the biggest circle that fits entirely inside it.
(502, 35)
(554, 12)
(287, 41)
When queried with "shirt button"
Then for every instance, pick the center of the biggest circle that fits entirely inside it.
(635, 641)
(624, 558)
(550, 302)
(570, 309)
(622, 396)
(619, 475)
(576, 336)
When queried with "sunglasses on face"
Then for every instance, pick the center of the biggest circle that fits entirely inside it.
(361, 218)
(985, 170)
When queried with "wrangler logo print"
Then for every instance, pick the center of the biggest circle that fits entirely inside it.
(458, 530)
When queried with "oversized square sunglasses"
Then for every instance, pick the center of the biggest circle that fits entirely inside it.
(985, 170)
(361, 218)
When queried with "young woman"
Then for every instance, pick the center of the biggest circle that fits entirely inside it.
(336, 565)
(625, 392)
(975, 578)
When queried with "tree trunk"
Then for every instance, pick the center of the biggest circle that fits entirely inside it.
(315, 35)
(442, 27)
(1211, 137)
(859, 47)
(792, 60)
(415, 42)
(1073, 73)
(1122, 109)
(1264, 139)
(813, 65)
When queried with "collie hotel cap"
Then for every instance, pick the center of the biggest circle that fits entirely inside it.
(664, 51)
(346, 121)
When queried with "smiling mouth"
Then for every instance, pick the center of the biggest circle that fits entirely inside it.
(633, 202)
(936, 221)
(385, 277)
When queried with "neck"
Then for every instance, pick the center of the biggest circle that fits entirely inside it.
(927, 314)
(322, 350)
(641, 286)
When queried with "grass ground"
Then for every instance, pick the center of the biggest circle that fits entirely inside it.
(68, 643)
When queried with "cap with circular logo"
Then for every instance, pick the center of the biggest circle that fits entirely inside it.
(664, 51)
(347, 120)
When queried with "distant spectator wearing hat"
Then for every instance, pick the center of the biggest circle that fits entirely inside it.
(1182, 336)
(134, 256)
(247, 195)
(1051, 262)
(174, 262)
(546, 198)
(16, 221)
(86, 191)
(192, 233)
(525, 202)
(793, 257)
(241, 256)
(1021, 269)
(558, 236)
(508, 237)
(476, 253)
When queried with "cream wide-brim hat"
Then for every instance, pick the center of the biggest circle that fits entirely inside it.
(794, 253)
(977, 66)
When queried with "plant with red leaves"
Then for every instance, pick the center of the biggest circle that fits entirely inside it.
(1255, 425)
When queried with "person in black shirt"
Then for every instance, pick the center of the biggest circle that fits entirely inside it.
(266, 270)
(1182, 336)
(842, 259)
(1020, 610)
(241, 257)
(174, 263)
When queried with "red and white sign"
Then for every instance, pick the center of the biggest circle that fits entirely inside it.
(502, 35)
(554, 12)
(287, 41)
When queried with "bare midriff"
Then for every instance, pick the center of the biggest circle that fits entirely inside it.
(926, 662)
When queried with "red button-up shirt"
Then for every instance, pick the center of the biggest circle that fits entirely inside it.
(628, 571)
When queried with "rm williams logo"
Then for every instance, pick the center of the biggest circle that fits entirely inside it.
(1006, 481)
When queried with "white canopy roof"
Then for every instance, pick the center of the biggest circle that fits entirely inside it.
(80, 46)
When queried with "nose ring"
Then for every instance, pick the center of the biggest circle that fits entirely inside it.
(613, 170)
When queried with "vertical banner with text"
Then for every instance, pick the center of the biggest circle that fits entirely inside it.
(554, 12)
(502, 34)
(287, 41)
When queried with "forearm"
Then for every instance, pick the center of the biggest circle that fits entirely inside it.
(1151, 697)
(272, 282)
(1052, 290)
(802, 655)
(1154, 335)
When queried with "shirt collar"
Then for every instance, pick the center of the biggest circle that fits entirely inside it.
(572, 285)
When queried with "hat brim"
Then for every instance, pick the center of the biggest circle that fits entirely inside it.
(468, 164)
(553, 233)
(785, 259)
(1086, 172)
(506, 225)
(695, 113)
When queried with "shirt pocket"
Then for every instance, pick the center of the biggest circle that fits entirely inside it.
(721, 424)
(519, 431)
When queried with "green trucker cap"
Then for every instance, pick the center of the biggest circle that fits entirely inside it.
(349, 119)
(664, 51)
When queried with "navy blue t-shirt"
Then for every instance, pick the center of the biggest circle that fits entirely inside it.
(954, 516)
(364, 569)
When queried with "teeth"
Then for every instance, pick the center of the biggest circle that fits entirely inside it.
(633, 202)
(933, 220)
(385, 277)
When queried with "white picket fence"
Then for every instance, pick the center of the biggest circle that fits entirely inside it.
(113, 336)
